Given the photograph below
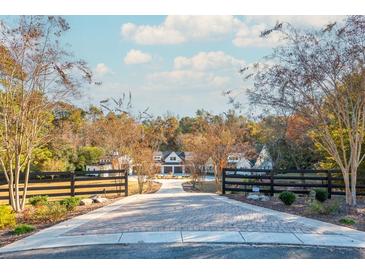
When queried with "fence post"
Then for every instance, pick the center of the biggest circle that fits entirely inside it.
(224, 181)
(126, 183)
(329, 184)
(72, 184)
(272, 182)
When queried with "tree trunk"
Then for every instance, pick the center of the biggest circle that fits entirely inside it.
(140, 184)
(16, 183)
(346, 178)
(11, 193)
(353, 185)
(26, 180)
(216, 175)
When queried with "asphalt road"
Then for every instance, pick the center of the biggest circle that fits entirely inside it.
(189, 251)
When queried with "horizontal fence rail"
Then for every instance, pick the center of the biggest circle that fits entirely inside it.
(66, 184)
(271, 181)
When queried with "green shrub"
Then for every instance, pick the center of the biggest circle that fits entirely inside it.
(287, 197)
(50, 212)
(23, 229)
(324, 208)
(56, 211)
(321, 194)
(38, 200)
(70, 203)
(347, 221)
(7, 217)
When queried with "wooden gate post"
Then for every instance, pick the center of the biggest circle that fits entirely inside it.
(329, 184)
(72, 184)
(126, 183)
(224, 181)
(272, 182)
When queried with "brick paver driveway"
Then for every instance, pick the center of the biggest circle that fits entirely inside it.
(172, 209)
(174, 216)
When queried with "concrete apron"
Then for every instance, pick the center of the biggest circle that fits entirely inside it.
(339, 236)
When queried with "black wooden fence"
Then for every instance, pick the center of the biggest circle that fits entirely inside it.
(275, 181)
(78, 183)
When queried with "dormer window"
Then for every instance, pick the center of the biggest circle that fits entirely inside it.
(233, 158)
(172, 158)
(157, 158)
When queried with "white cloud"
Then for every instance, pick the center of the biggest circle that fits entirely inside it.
(213, 68)
(102, 69)
(250, 36)
(150, 35)
(317, 21)
(180, 29)
(207, 61)
(245, 31)
(137, 57)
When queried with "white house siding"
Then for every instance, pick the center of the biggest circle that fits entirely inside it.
(171, 163)
(99, 168)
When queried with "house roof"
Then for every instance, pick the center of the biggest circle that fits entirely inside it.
(263, 160)
(165, 154)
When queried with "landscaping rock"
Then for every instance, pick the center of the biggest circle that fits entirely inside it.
(264, 198)
(86, 201)
(100, 200)
(253, 196)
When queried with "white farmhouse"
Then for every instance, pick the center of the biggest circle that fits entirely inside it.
(264, 160)
(171, 162)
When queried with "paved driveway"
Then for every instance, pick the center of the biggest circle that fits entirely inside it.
(172, 209)
(174, 216)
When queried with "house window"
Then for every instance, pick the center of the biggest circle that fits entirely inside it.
(233, 158)
(172, 158)
(157, 158)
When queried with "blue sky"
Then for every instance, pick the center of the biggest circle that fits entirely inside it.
(175, 64)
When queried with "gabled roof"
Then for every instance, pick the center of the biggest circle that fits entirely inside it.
(164, 154)
(263, 160)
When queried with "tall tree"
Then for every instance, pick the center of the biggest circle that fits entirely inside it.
(320, 75)
(196, 144)
(35, 71)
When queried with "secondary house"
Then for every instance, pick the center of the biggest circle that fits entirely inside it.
(264, 160)
(102, 165)
(234, 160)
(112, 162)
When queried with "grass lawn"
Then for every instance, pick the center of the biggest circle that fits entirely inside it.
(149, 187)
(132, 188)
(206, 186)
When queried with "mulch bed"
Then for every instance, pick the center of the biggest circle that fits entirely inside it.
(152, 187)
(6, 236)
(301, 208)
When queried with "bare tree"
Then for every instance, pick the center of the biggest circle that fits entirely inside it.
(34, 73)
(320, 75)
(196, 161)
(143, 163)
